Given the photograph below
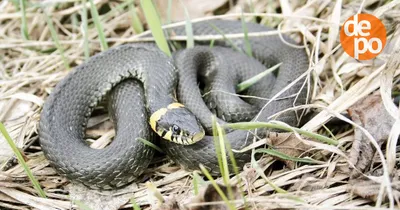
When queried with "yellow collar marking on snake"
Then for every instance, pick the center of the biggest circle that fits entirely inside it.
(175, 105)
(157, 116)
(167, 135)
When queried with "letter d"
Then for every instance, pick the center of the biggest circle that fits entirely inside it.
(353, 22)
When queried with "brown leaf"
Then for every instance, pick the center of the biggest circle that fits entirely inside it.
(371, 114)
(170, 204)
(370, 189)
(210, 194)
(308, 182)
(313, 182)
(288, 144)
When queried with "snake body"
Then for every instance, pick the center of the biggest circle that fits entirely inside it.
(134, 73)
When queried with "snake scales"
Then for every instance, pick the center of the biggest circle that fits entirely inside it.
(142, 80)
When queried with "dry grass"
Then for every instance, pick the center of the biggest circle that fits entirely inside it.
(33, 60)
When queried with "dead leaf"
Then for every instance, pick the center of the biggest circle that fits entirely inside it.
(371, 114)
(210, 194)
(311, 182)
(37, 202)
(29, 97)
(98, 128)
(288, 144)
(14, 113)
(170, 204)
(370, 189)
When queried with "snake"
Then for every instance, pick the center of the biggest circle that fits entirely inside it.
(170, 100)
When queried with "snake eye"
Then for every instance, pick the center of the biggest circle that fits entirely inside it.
(176, 129)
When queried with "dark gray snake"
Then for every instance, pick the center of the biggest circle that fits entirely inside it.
(143, 80)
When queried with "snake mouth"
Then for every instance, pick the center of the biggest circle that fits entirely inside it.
(198, 136)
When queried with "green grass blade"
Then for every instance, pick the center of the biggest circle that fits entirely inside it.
(329, 132)
(24, 25)
(262, 174)
(195, 186)
(212, 42)
(156, 193)
(223, 149)
(188, 27)
(221, 139)
(75, 23)
(99, 26)
(54, 36)
(21, 160)
(120, 8)
(220, 150)
(150, 144)
(225, 38)
(134, 204)
(155, 25)
(217, 188)
(217, 146)
(229, 149)
(169, 9)
(236, 171)
(251, 81)
(135, 20)
(283, 156)
(84, 17)
(247, 44)
(15, 3)
(197, 181)
(222, 135)
(254, 125)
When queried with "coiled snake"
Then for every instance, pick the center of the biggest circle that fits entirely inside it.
(143, 83)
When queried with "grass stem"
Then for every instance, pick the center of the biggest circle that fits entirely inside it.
(21, 160)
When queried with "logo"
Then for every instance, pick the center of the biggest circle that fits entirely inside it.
(363, 36)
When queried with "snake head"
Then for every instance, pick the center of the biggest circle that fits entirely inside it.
(177, 124)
